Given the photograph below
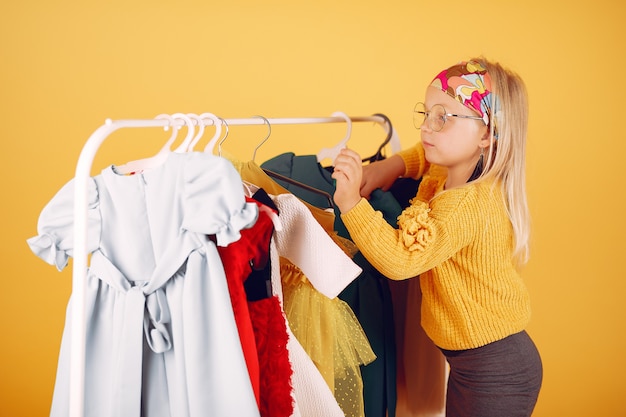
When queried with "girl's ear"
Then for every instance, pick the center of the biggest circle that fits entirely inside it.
(485, 141)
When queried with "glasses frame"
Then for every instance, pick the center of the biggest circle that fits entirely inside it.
(427, 118)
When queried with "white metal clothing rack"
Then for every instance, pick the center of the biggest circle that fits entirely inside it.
(82, 175)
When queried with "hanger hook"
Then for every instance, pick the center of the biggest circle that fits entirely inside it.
(215, 121)
(345, 139)
(191, 140)
(219, 146)
(389, 129)
(269, 132)
(190, 127)
(172, 124)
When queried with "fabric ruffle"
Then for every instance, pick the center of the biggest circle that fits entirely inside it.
(241, 219)
(54, 242)
(271, 336)
(45, 247)
(228, 212)
(330, 334)
(415, 226)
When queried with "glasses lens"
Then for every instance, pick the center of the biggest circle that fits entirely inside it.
(437, 117)
(419, 115)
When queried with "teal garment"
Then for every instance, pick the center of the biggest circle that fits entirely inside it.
(368, 295)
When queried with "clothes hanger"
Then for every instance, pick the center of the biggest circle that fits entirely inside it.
(334, 151)
(269, 132)
(189, 142)
(282, 177)
(154, 161)
(217, 122)
(301, 185)
(219, 146)
(379, 155)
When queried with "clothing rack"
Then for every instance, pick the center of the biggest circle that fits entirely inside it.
(82, 175)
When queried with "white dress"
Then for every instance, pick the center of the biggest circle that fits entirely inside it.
(161, 337)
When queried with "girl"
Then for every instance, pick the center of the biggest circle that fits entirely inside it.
(465, 233)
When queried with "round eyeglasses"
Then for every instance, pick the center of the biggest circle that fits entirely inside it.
(435, 117)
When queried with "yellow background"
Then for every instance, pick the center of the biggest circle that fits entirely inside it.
(66, 66)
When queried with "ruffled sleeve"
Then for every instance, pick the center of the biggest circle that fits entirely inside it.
(416, 229)
(54, 242)
(214, 199)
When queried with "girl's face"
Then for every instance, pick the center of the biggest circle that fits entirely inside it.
(456, 145)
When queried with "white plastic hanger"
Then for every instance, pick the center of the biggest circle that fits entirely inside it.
(153, 161)
(332, 153)
(191, 138)
(217, 122)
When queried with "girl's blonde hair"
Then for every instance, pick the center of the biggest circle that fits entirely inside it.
(506, 159)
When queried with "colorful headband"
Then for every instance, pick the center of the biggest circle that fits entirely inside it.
(470, 84)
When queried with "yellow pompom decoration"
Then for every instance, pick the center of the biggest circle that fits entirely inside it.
(415, 226)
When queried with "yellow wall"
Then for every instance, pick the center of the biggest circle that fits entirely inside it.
(66, 66)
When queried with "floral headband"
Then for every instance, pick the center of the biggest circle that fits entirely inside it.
(470, 84)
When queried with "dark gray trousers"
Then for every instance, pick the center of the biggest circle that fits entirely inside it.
(501, 379)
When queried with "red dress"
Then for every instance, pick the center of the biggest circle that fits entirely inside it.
(258, 315)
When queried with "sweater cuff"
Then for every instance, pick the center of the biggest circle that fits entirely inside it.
(413, 161)
(357, 216)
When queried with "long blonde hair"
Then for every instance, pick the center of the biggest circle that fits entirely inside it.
(506, 159)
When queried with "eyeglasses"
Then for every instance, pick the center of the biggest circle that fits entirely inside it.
(435, 118)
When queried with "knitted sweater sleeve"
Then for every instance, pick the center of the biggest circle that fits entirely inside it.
(426, 236)
(414, 161)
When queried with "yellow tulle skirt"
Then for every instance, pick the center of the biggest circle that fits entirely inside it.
(331, 335)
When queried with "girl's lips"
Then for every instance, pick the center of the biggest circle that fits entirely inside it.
(428, 144)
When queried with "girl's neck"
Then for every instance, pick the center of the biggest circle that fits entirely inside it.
(458, 175)
(455, 179)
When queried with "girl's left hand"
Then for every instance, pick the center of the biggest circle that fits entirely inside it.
(348, 174)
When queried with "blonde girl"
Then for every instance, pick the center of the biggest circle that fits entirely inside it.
(465, 234)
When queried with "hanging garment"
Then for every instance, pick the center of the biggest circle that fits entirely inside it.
(368, 295)
(161, 337)
(272, 339)
(323, 222)
(420, 368)
(259, 321)
(312, 395)
(330, 334)
(327, 323)
(422, 371)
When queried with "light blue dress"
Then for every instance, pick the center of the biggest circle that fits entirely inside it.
(161, 337)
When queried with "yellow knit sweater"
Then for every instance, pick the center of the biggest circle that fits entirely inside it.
(460, 243)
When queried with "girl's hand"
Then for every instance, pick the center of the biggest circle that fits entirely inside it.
(381, 174)
(348, 174)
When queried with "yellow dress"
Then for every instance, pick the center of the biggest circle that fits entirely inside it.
(326, 327)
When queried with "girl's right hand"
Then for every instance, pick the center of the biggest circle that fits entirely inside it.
(347, 174)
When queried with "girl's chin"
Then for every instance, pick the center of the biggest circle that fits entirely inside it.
(430, 155)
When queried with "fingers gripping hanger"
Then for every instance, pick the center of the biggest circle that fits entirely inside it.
(334, 151)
